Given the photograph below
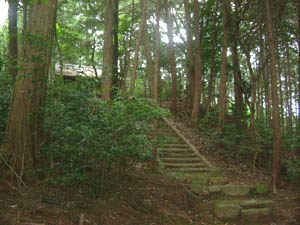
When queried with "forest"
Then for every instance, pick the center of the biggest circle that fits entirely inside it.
(109, 109)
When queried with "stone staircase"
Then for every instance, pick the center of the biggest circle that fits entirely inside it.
(242, 203)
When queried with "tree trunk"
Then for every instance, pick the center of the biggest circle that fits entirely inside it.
(253, 82)
(137, 47)
(108, 51)
(24, 130)
(115, 78)
(275, 112)
(13, 38)
(298, 130)
(190, 57)
(150, 64)
(127, 54)
(222, 96)
(156, 74)
(25, 20)
(213, 68)
(171, 53)
(238, 94)
(289, 90)
(198, 64)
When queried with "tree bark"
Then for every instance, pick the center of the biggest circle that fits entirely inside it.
(115, 78)
(275, 111)
(222, 95)
(150, 64)
(137, 47)
(198, 64)
(127, 54)
(171, 53)
(298, 69)
(238, 94)
(25, 20)
(13, 38)
(108, 51)
(190, 56)
(24, 130)
(213, 68)
(156, 74)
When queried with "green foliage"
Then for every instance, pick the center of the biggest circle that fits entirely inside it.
(87, 136)
(235, 140)
(241, 143)
(292, 170)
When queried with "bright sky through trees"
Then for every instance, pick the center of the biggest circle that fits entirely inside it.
(3, 11)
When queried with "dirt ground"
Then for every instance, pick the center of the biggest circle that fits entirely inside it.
(142, 197)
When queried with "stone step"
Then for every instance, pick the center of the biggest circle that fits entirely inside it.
(256, 212)
(180, 160)
(234, 190)
(234, 210)
(250, 204)
(190, 170)
(183, 155)
(174, 150)
(184, 166)
(180, 146)
(175, 141)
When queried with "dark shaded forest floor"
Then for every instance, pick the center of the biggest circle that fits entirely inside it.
(139, 197)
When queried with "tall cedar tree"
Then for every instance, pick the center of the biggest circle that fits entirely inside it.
(222, 95)
(190, 56)
(171, 53)
(275, 111)
(108, 51)
(24, 130)
(198, 64)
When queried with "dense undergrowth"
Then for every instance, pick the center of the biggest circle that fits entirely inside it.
(87, 139)
(237, 141)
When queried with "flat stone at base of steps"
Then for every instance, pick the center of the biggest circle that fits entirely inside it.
(239, 190)
(246, 204)
(235, 211)
(234, 191)
(227, 211)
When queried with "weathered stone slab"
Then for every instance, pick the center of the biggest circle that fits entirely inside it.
(227, 211)
(214, 188)
(257, 204)
(261, 189)
(256, 212)
(235, 190)
(218, 180)
(196, 188)
(203, 180)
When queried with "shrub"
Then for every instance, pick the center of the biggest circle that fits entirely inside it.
(86, 135)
